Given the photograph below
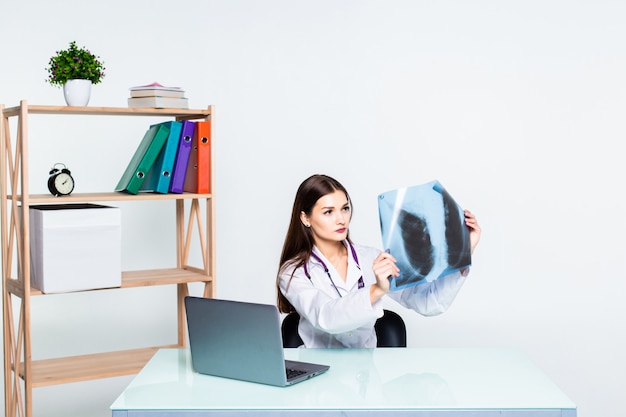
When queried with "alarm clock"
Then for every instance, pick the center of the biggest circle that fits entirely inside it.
(60, 181)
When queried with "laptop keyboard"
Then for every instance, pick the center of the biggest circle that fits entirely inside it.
(292, 373)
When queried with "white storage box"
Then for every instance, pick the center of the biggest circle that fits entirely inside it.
(75, 247)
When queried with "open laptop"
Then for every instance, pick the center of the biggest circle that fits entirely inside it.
(240, 340)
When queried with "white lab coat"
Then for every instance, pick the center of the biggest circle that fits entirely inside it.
(330, 321)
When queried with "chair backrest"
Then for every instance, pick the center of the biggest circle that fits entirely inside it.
(289, 329)
(390, 330)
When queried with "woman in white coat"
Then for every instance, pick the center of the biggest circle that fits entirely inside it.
(336, 285)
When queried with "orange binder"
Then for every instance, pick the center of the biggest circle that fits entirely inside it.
(198, 178)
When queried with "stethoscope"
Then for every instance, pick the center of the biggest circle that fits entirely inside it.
(361, 283)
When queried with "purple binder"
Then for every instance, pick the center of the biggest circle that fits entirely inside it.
(182, 157)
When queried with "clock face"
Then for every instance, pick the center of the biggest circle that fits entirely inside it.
(64, 183)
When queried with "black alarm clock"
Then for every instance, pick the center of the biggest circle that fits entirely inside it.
(60, 181)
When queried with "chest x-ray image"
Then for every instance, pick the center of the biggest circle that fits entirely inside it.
(424, 229)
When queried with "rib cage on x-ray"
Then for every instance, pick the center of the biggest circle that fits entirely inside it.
(424, 229)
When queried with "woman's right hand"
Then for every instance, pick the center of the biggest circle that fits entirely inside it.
(384, 268)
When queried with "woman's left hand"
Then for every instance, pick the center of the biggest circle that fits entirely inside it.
(472, 223)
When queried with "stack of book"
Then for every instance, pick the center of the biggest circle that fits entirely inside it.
(157, 96)
(172, 157)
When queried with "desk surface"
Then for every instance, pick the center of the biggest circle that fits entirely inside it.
(400, 382)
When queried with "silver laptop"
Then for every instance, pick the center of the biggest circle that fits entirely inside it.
(240, 340)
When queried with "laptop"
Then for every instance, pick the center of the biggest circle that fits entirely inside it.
(239, 340)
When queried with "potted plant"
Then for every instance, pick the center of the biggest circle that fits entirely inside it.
(76, 69)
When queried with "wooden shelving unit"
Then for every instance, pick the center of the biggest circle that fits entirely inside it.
(21, 372)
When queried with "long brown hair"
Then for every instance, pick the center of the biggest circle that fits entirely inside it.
(299, 240)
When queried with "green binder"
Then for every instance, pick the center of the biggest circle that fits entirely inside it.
(143, 159)
(160, 175)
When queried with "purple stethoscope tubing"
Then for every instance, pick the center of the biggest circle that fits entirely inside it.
(318, 259)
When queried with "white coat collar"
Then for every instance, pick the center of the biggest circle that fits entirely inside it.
(354, 270)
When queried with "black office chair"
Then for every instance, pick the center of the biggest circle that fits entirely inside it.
(289, 329)
(390, 330)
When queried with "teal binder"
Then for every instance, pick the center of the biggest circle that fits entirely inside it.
(160, 175)
(143, 159)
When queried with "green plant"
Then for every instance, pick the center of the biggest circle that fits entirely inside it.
(74, 63)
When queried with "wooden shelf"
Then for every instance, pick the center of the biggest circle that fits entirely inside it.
(111, 111)
(132, 279)
(162, 277)
(88, 367)
(106, 196)
(194, 228)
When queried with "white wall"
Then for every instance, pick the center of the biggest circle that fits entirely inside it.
(517, 107)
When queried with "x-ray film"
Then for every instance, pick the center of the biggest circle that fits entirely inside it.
(424, 229)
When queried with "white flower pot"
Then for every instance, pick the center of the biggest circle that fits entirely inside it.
(77, 92)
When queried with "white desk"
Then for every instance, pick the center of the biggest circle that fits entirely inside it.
(361, 382)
